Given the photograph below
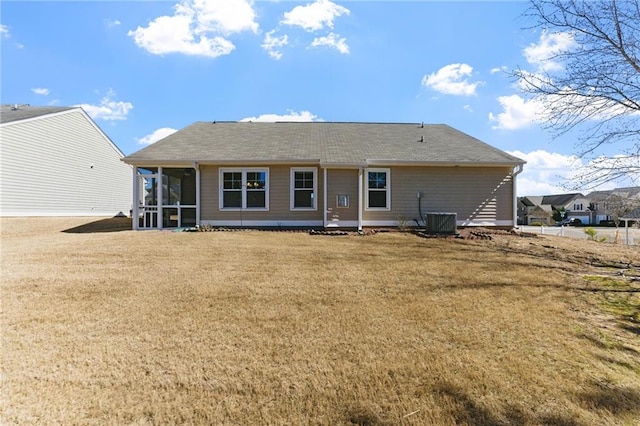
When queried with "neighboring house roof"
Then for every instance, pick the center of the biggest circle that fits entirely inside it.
(536, 200)
(627, 192)
(525, 202)
(9, 113)
(560, 199)
(324, 142)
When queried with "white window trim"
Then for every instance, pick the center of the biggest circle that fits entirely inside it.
(292, 183)
(366, 189)
(244, 172)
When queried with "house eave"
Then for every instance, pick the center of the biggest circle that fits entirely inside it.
(336, 165)
(322, 164)
(189, 163)
(375, 162)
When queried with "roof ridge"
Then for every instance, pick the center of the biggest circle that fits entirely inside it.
(327, 122)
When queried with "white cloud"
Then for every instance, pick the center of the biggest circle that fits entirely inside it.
(548, 173)
(467, 108)
(542, 54)
(314, 16)
(4, 31)
(112, 23)
(273, 44)
(40, 91)
(197, 27)
(291, 116)
(451, 80)
(108, 109)
(155, 136)
(333, 41)
(517, 112)
(545, 172)
(499, 69)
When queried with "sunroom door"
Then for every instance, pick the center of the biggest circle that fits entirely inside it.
(148, 201)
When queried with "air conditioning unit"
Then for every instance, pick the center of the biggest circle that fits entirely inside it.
(441, 223)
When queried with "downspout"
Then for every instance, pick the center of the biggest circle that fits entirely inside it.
(135, 211)
(516, 171)
(324, 196)
(197, 167)
(360, 177)
(159, 197)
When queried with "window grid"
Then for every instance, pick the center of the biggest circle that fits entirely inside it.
(303, 189)
(378, 196)
(244, 189)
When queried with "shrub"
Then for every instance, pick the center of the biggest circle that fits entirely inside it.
(592, 235)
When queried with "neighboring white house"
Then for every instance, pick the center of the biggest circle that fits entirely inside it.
(55, 161)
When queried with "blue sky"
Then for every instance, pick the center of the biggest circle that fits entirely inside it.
(143, 69)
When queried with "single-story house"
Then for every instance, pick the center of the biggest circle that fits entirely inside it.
(57, 162)
(321, 174)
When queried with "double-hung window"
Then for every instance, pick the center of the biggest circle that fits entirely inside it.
(244, 189)
(378, 189)
(304, 188)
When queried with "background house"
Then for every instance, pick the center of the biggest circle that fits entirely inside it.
(322, 174)
(541, 208)
(595, 208)
(613, 204)
(57, 162)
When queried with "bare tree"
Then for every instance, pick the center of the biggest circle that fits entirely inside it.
(596, 90)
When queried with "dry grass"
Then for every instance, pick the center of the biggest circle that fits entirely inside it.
(286, 328)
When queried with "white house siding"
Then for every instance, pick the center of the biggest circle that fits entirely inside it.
(61, 165)
(480, 196)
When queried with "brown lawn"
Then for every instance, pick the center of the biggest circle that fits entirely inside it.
(103, 325)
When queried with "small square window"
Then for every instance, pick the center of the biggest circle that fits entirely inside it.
(342, 201)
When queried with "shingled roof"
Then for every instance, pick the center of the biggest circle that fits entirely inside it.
(9, 113)
(559, 199)
(321, 142)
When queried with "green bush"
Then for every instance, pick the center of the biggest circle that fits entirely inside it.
(592, 235)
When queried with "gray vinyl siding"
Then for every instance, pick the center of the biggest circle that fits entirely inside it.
(61, 165)
(279, 197)
(476, 194)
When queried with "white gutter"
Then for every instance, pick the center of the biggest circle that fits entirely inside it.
(324, 183)
(197, 167)
(159, 195)
(360, 207)
(417, 163)
(189, 163)
(516, 171)
(136, 199)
